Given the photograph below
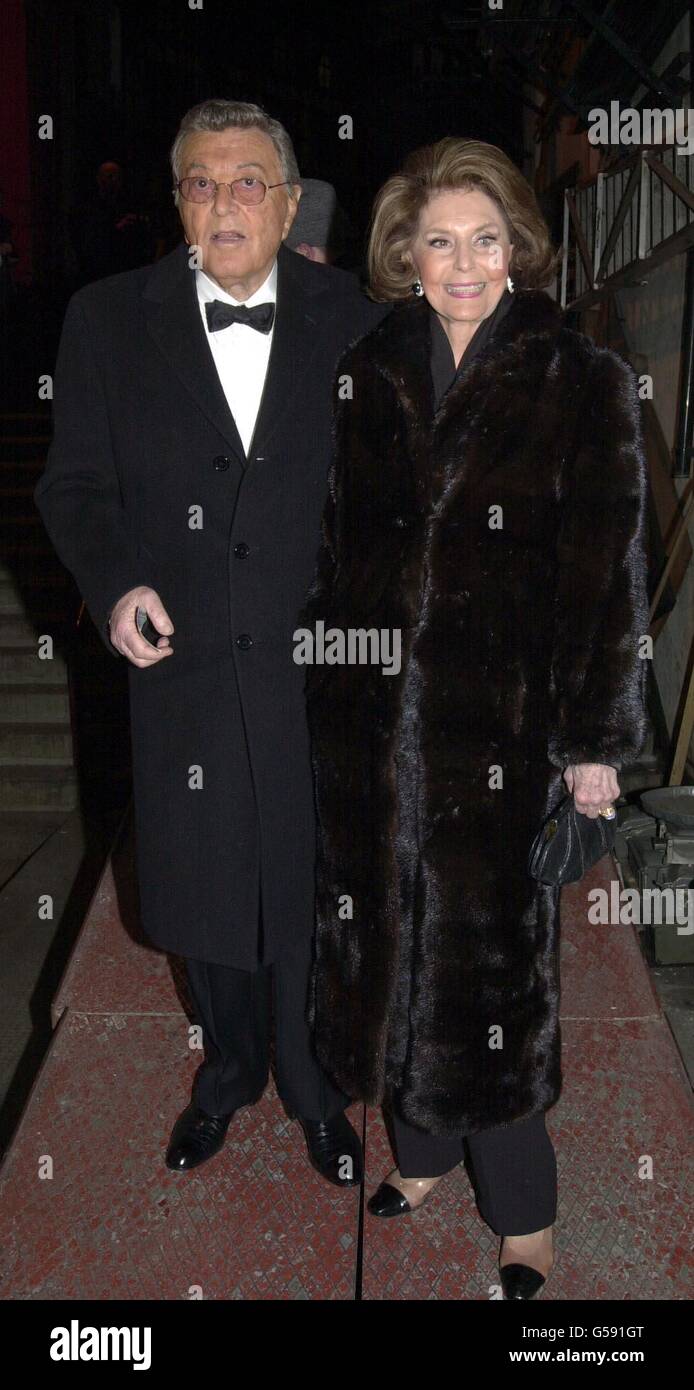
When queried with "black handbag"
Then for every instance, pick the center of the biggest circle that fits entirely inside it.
(569, 843)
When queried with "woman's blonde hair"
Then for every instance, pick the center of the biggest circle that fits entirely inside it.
(457, 164)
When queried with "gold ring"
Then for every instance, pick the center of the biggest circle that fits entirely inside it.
(608, 812)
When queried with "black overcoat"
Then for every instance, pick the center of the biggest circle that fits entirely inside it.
(143, 434)
(436, 978)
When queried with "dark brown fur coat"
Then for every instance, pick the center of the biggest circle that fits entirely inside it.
(519, 654)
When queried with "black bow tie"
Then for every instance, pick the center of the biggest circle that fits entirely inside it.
(220, 315)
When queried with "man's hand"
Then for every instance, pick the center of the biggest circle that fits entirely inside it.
(594, 786)
(126, 637)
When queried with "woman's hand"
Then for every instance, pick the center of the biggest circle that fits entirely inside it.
(594, 786)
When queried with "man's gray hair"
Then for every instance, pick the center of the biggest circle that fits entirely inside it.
(217, 114)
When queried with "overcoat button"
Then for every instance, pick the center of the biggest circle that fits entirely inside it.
(244, 641)
(220, 463)
(241, 550)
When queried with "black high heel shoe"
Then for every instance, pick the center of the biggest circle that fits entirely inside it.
(388, 1200)
(520, 1281)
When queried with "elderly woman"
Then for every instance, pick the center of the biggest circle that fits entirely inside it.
(487, 501)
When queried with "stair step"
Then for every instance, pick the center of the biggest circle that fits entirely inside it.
(45, 785)
(21, 832)
(24, 601)
(23, 629)
(21, 663)
(23, 740)
(35, 701)
(11, 606)
(16, 608)
(18, 629)
(14, 581)
(35, 574)
(31, 722)
(23, 641)
(33, 768)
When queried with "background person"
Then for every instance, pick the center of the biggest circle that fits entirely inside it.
(319, 230)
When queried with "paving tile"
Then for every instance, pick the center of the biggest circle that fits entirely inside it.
(618, 1235)
(256, 1222)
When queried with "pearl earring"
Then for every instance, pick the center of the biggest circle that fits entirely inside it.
(417, 288)
(509, 283)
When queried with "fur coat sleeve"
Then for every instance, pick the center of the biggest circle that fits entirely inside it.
(599, 665)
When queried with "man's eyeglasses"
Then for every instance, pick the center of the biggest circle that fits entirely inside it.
(247, 190)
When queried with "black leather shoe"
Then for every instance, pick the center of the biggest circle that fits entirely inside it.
(329, 1143)
(520, 1281)
(196, 1136)
(390, 1201)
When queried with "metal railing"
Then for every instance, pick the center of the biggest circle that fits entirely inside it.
(626, 220)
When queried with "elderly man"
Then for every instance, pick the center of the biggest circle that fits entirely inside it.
(184, 490)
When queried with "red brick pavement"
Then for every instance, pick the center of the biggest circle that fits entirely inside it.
(256, 1222)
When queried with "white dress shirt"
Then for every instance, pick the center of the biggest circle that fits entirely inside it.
(241, 354)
